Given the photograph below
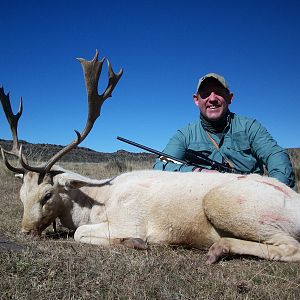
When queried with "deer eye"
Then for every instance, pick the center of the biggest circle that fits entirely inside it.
(46, 198)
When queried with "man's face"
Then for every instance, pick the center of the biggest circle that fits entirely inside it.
(213, 99)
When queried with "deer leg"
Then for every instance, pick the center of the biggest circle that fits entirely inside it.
(283, 252)
(106, 235)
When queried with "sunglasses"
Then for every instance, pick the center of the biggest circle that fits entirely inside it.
(205, 93)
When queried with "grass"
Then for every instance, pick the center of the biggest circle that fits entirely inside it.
(52, 267)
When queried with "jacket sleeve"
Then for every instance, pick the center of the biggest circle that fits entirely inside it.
(176, 147)
(275, 158)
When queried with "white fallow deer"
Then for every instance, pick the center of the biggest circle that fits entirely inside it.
(225, 213)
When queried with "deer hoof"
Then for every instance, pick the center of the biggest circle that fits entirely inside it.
(216, 251)
(135, 243)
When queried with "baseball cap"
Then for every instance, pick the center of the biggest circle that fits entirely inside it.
(220, 78)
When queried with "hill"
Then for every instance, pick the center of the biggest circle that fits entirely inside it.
(79, 154)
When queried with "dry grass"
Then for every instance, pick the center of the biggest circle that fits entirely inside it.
(59, 268)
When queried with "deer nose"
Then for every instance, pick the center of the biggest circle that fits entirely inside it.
(25, 231)
(30, 231)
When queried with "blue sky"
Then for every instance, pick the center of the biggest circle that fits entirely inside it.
(163, 47)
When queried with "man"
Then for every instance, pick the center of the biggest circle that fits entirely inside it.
(240, 142)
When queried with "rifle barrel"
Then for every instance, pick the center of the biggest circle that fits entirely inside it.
(150, 149)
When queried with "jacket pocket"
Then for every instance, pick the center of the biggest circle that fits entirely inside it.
(239, 151)
(204, 148)
(238, 142)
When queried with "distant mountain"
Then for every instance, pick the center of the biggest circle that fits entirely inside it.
(43, 152)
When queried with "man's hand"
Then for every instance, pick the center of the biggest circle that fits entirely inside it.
(204, 170)
(209, 171)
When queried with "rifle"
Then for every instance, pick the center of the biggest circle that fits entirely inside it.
(193, 158)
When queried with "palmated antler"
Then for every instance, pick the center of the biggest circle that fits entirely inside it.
(13, 120)
(92, 70)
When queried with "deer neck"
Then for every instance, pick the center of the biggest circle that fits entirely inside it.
(83, 206)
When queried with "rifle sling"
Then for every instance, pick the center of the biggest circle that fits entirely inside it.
(218, 149)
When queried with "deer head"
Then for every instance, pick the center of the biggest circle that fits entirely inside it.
(41, 185)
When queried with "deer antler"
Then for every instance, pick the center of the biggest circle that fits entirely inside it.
(13, 120)
(92, 70)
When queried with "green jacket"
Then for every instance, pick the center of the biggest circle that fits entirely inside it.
(245, 142)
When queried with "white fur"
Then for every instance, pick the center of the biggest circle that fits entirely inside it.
(227, 213)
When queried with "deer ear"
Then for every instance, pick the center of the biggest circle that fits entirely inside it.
(71, 181)
(75, 184)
